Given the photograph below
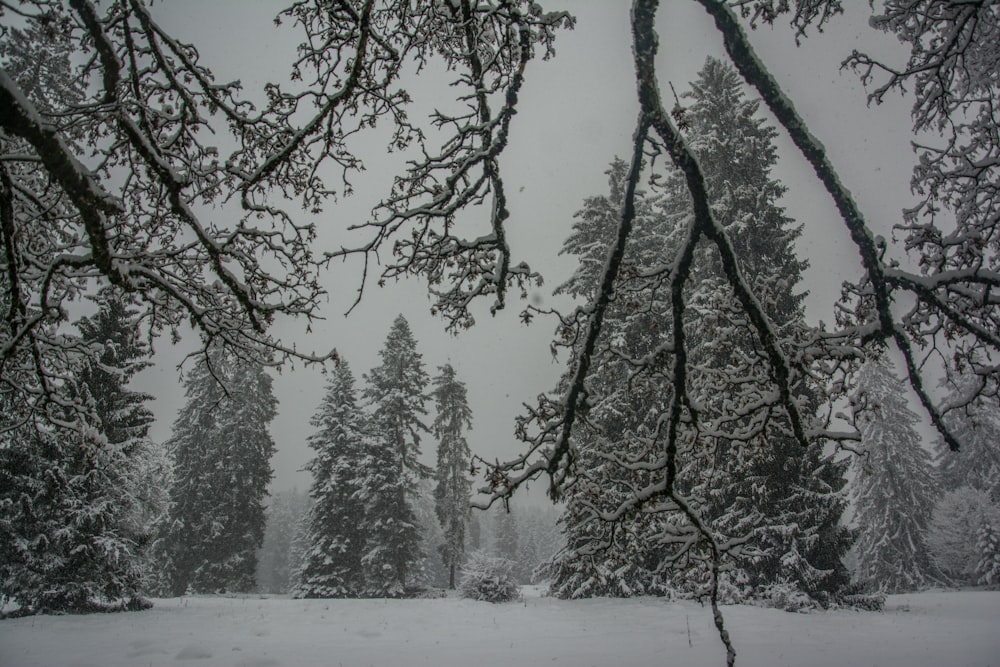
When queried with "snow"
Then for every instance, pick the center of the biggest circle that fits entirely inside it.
(921, 630)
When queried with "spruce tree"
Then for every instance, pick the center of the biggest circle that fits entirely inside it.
(395, 393)
(337, 523)
(748, 477)
(597, 558)
(73, 495)
(221, 451)
(977, 463)
(453, 490)
(895, 487)
(953, 532)
(505, 536)
(757, 479)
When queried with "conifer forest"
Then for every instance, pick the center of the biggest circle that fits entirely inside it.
(621, 318)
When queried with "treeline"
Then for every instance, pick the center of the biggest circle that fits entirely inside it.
(527, 536)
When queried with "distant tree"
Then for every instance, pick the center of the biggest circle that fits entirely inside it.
(895, 486)
(392, 468)
(221, 451)
(539, 541)
(475, 532)
(338, 523)
(505, 534)
(453, 490)
(977, 463)
(277, 561)
(435, 572)
(73, 500)
(954, 531)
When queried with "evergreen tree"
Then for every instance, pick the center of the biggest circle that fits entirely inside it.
(758, 480)
(474, 531)
(977, 464)
(390, 487)
(337, 521)
(748, 477)
(597, 558)
(435, 572)
(894, 487)
(73, 495)
(221, 452)
(454, 489)
(505, 537)
(954, 531)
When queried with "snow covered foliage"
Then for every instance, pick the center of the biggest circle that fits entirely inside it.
(895, 487)
(489, 578)
(988, 545)
(453, 487)
(954, 531)
(221, 451)
(977, 463)
(743, 473)
(391, 467)
(337, 523)
(75, 499)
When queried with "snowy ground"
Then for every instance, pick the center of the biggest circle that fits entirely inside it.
(926, 630)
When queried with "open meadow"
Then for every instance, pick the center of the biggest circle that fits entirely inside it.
(933, 629)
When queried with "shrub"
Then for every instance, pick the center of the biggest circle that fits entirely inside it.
(488, 578)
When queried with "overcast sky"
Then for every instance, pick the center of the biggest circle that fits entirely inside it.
(576, 113)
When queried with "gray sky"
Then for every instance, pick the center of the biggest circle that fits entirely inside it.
(576, 113)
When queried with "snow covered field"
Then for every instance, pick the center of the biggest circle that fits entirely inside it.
(941, 629)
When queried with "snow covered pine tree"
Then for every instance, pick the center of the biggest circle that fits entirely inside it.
(781, 503)
(338, 522)
(221, 451)
(72, 500)
(895, 487)
(392, 469)
(454, 488)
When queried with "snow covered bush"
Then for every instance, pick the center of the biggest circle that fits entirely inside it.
(488, 578)
(787, 596)
(953, 531)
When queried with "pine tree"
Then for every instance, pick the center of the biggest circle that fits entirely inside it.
(454, 489)
(221, 452)
(505, 538)
(894, 487)
(954, 530)
(73, 496)
(758, 480)
(395, 393)
(977, 464)
(598, 558)
(748, 477)
(336, 534)
(435, 573)
(474, 531)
